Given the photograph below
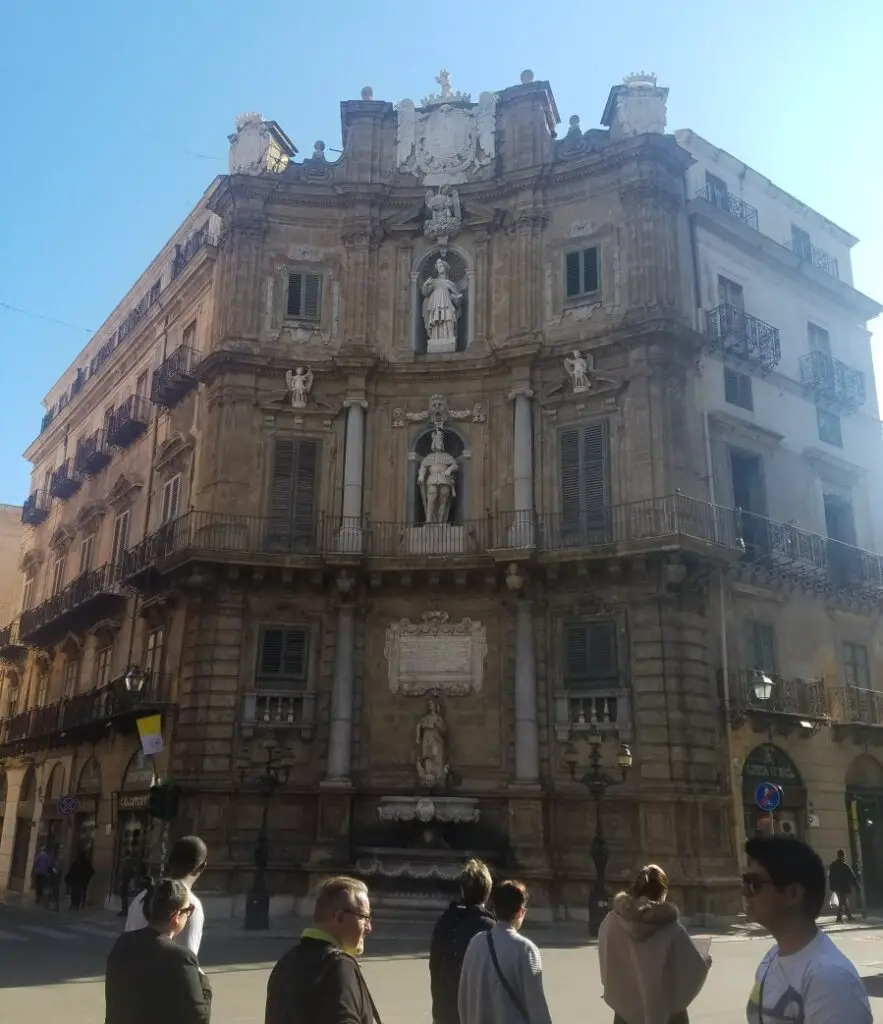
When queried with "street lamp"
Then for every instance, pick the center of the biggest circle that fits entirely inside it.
(257, 906)
(761, 684)
(134, 679)
(598, 782)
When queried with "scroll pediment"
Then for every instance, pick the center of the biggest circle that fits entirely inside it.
(90, 515)
(124, 490)
(71, 646)
(31, 560)
(62, 538)
(105, 630)
(172, 452)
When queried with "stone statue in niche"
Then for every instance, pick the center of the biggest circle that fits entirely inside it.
(441, 309)
(299, 382)
(578, 368)
(435, 478)
(432, 731)
(444, 218)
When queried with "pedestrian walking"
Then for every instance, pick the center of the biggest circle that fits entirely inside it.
(152, 979)
(451, 936)
(78, 877)
(128, 872)
(842, 880)
(42, 871)
(319, 980)
(650, 969)
(804, 978)
(186, 863)
(502, 977)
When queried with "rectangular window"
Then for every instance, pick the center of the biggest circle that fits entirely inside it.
(760, 646)
(58, 572)
(292, 504)
(856, 670)
(154, 648)
(86, 549)
(801, 243)
(737, 389)
(141, 384)
(189, 338)
(171, 495)
(590, 660)
(103, 666)
(830, 428)
(717, 191)
(153, 294)
(582, 272)
(819, 340)
(304, 296)
(27, 593)
(71, 673)
(584, 457)
(282, 658)
(120, 538)
(730, 293)
(42, 690)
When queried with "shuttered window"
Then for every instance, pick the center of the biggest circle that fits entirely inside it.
(282, 658)
(58, 574)
(120, 538)
(171, 496)
(304, 296)
(581, 272)
(760, 646)
(86, 549)
(292, 504)
(584, 457)
(737, 389)
(589, 655)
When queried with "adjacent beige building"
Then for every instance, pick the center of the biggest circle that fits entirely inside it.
(10, 552)
(393, 469)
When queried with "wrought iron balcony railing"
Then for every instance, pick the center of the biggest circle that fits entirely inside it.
(743, 337)
(128, 422)
(851, 705)
(731, 205)
(93, 454)
(810, 253)
(36, 508)
(99, 584)
(603, 710)
(174, 377)
(185, 253)
(832, 382)
(803, 698)
(280, 709)
(65, 481)
(10, 640)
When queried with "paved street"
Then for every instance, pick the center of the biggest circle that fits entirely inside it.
(51, 969)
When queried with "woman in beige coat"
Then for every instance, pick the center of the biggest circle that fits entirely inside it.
(650, 969)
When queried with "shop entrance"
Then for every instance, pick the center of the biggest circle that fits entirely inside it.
(864, 808)
(769, 763)
(24, 820)
(132, 820)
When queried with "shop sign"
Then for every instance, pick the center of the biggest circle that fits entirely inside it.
(87, 804)
(769, 764)
(133, 801)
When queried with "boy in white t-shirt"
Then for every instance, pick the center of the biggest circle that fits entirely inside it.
(186, 863)
(804, 978)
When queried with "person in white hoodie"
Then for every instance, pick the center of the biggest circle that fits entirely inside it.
(650, 969)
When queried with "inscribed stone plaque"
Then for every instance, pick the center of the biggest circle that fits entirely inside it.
(435, 656)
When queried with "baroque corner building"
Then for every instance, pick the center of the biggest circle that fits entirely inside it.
(401, 480)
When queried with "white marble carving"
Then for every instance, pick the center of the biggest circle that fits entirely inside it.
(436, 656)
(299, 382)
(253, 150)
(436, 480)
(640, 107)
(578, 368)
(441, 309)
(426, 809)
(448, 137)
(439, 412)
(432, 735)
(444, 218)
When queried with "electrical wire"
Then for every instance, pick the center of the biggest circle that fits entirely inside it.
(39, 316)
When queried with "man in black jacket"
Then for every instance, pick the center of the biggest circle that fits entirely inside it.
(452, 934)
(842, 880)
(319, 981)
(149, 978)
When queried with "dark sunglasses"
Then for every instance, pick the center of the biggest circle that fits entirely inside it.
(752, 883)
(360, 914)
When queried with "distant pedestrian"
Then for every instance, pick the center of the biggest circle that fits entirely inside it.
(451, 936)
(319, 980)
(502, 977)
(128, 872)
(804, 978)
(44, 862)
(187, 862)
(842, 880)
(151, 979)
(650, 969)
(78, 877)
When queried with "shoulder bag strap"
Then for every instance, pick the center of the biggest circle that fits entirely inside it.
(760, 992)
(509, 990)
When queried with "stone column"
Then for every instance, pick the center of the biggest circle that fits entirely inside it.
(521, 531)
(14, 778)
(350, 537)
(340, 737)
(527, 740)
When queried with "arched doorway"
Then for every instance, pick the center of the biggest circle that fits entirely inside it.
(864, 808)
(88, 794)
(133, 821)
(769, 763)
(24, 819)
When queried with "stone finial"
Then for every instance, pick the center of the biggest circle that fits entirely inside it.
(574, 128)
(367, 93)
(258, 146)
(526, 76)
(243, 119)
(318, 150)
(640, 80)
(637, 107)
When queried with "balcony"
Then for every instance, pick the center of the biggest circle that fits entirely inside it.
(731, 205)
(832, 382)
(11, 647)
(817, 257)
(129, 422)
(404, 541)
(65, 481)
(36, 508)
(93, 454)
(743, 338)
(854, 710)
(790, 701)
(89, 597)
(604, 711)
(175, 377)
(185, 253)
(84, 717)
(279, 709)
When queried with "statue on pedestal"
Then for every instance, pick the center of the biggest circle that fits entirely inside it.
(435, 478)
(299, 384)
(441, 307)
(432, 764)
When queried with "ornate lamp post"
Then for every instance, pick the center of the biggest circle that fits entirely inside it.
(257, 906)
(598, 782)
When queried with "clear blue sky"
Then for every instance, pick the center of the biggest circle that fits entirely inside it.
(106, 105)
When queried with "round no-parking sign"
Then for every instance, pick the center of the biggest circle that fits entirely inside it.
(67, 805)
(768, 796)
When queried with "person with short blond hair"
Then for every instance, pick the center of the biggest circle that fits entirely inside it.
(319, 980)
(451, 936)
(502, 977)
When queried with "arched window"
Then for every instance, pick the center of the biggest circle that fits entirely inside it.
(55, 786)
(443, 320)
(139, 774)
(28, 786)
(89, 783)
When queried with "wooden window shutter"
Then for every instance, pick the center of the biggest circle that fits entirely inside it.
(590, 271)
(569, 468)
(120, 538)
(595, 473)
(295, 295)
(304, 506)
(572, 274)
(590, 655)
(292, 503)
(282, 656)
(171, 495)
(304, 296)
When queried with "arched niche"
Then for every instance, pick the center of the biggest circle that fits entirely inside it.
(55, 785)
(139, 774)
(89, 782)
(865, 772)
(458, 270)
(454, 445)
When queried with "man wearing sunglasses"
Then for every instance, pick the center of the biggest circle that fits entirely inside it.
(152, 979)
(804, 978)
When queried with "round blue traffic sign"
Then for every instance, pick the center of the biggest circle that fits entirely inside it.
(67, 805)
(768, 796)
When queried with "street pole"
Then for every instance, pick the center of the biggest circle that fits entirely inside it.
(598, 892)
(257, 905)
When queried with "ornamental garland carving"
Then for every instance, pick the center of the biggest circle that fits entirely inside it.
(436, 656)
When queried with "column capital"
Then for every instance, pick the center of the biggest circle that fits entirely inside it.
(362, 403)
(519, 390)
